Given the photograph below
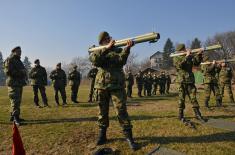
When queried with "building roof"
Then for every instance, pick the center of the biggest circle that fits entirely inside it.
(156, 53)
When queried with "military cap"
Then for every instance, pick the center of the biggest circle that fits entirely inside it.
(180, 47)
(15, 49)
(59, 64)
(102, 35)
(36, 61)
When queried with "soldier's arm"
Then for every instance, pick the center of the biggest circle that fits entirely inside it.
(98, 57)
(197, 59)
(65, 78)
(123, 56)
(45, 76)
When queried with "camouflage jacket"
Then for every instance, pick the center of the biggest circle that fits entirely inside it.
(148, 80)
(58, 78)
(92, 73)
(74, 77)
(129, 80)
(15, 72)
(209, 73)
(162, 79)
(155, 80)
(225, 75)
(110, 64)
(139, 79)
(38, 76)
(184, 67)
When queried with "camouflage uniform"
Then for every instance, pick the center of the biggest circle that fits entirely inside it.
(168, 83)
(129, 84)
(16, 79)
(186, 81)
(162, 83)
(210, 83)
(149, 83)
(38, 76)
(91, 75)
(74, 78)
(155, 84)
(59, 80)
(139, 82)
(145, 81)
(225, 77)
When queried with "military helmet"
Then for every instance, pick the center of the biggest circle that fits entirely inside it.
(102, 35)
(36, 61)
(15, 49)
(180, 47)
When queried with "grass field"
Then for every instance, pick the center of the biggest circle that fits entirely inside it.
(73, 129)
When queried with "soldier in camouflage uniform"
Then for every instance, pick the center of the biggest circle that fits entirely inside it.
(16, 79)
(110, 85)
(129, 84)
(145, 81)
(186, 80)
(155, 84)
(139, 82)
(168, 83)
(225, 77)
(74, 81)
(149, 83)
(210, 82)
(38, 76)
(91, 75)
(162, 82)
(59, 80)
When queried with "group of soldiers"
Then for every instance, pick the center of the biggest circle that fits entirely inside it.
(148, 83)
(108, 83)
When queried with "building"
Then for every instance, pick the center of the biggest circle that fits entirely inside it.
(156, 60)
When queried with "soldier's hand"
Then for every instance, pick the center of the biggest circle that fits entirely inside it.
(214, 62)
(188, 52)
(200, 51)
(130, 43)
(111, 44)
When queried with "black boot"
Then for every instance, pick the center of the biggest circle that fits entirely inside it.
(206, 103)
(181, 114)
(17, 120)
(129, 137)
(218, 102)
(102, 136)
(198, 115)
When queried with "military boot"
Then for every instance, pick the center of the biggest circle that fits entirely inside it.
(17, 120)
(129, 137)
(181, 114)
(102, 136)
(218, 102)
(198, 115)
(206, 103)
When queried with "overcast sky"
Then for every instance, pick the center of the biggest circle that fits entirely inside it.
(59, 30)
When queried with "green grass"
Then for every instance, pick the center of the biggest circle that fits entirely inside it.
(73, 129)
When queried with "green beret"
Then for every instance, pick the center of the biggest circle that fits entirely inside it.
(180, 47)
(102, 35)
(15, 49)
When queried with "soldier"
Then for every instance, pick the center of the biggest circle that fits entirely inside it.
(155, 84)
(74, 81)
(16, 79)
(110, 85)
(210, 82)
(91, 75)
(162, 82)
(145, 84)
(139, 82)
(225, 77)
(59, 80)
(129, 84)
(38, 76)
(149, 83)
(186, 81)
(168, 83)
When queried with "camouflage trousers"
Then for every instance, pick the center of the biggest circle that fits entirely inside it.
(129, 90)
(118, 98)
(140, 88)
(15, 96)
(190, 90)
(228, 88)
(42, 90)
(208, 87)
(154, 92)
(74, 92)
(91, 89)
(62, 91)
(162, 88)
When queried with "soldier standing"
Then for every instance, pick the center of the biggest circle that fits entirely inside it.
(225, 77)
(38, 76)
(16, 79)
(129, 84)
(59, 80)
(74, 78)
(145, 81)
(91, 75)
(149, 83)
(139, 82)
(211, 82)
(110, 84)
(155, 84)
(168, 83)
(186, 81)
(162, 82)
